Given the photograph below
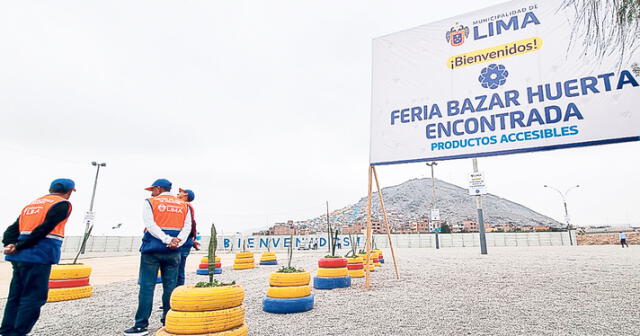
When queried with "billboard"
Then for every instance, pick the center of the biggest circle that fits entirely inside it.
(516, 77)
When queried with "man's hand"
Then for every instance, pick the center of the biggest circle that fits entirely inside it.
(196, 245)
(10, 249)
(174, 243)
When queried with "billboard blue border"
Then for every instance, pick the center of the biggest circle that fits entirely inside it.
(513, 151)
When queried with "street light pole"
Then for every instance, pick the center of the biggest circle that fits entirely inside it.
(433, 197)
(566, 211)
(483, 238)
(89, 227)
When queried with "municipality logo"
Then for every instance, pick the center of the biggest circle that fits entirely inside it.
(493, 76)
(457, 34)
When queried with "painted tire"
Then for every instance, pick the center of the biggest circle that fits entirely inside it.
(244, 255)
(62, 272)
(332, 262)
(244, 261)
(206, 271)
(331, 283)
(66, 294)
(67, 283)
(352, 267)
(356, 260)
(288, 292)
(239, 331)
(205, 260)
(243, 266)
(289, 279)
(359, 273)
(206, 265)
(332, 272)
(203, 322)
(287, 306)
(191, 299)
(381, 260)
(268, 258)
(269, 262)
(268, 254)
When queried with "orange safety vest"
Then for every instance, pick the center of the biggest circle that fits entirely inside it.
(33, 215)
(169, 212)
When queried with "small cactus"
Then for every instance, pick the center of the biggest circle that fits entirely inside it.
(213, 245)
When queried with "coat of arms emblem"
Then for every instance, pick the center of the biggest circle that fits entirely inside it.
(457, 34)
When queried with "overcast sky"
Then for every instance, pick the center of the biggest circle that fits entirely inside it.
(261, 107)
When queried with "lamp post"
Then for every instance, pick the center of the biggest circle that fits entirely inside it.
(566, 211)
(89, 226)
(433, 199)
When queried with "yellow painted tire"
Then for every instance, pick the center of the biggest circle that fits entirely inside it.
(268, 254)
(191, 299)
(332, 272)
(377, 264)
(205, 260)
(244, 261)
(289, 292)
(244, 255)
(356, 273)
(372, 268)
(289, 279)
(239, 331)
(62, 272)
(243, 266)
(186, 323)
(71, 293)
(268, 258)
(356, 260)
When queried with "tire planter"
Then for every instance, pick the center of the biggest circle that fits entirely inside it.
(268, 258)
(69, 282)
(269, 262)
(331, 283)
(206, 311)
(288, 306)
(355, 267)
(332, 273)
(244, 260)
(203, 268)
(288, 293)
(376, 258)
(380, 257)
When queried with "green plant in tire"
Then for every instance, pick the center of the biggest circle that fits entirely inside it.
(213, 246)
(289, 268)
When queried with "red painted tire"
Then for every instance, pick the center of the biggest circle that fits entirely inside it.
(332, 262)
(355, 266)
(376, 260)
(205, 265)
(68, 283)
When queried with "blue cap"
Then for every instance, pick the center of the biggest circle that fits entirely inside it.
(62, 185)
(190, 194)
(162, 183)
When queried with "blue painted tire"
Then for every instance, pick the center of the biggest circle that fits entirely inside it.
(331, 283)
(206, 271)
(270, 262)
(287, 306)
(381, 261)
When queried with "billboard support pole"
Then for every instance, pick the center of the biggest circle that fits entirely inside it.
(367, 248)
(386, 222)
(483, 238)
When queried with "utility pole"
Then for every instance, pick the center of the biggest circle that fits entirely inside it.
(483, 238)
(433, 200)
(566, 211)
(89, 216)
(329, 242)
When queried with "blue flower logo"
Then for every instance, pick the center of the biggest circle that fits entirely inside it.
(493, 76)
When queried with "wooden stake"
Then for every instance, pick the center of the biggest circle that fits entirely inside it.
(386, 222)
(367, 281)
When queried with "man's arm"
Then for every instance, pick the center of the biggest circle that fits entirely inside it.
(186, 229)
(57, 213)
(150, 224)
(12, 233)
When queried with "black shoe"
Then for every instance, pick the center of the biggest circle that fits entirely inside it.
(136, 331)
(160, 308)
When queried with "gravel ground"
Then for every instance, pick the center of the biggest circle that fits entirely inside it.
(590, 290)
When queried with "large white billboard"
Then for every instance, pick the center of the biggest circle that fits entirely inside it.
(516, 77)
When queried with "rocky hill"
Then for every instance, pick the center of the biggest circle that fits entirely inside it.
(412, 199)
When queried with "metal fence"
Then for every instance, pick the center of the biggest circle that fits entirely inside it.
(117, 244)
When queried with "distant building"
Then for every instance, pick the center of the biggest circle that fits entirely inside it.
(470, 225)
